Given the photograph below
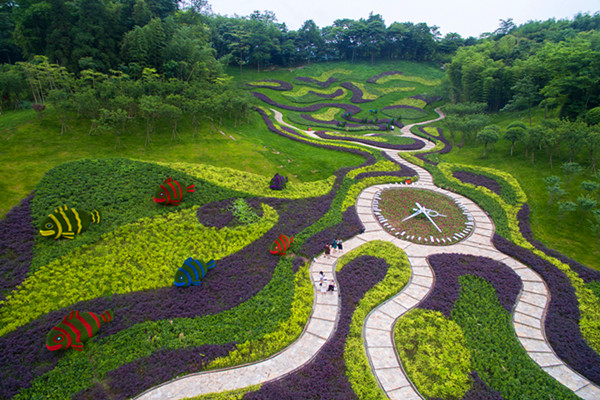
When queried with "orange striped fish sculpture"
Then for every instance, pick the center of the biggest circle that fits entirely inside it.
(281, 245)
(76, 328)
(170, 192)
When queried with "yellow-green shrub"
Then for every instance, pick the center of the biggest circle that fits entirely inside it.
(137, 256)
(434, 353)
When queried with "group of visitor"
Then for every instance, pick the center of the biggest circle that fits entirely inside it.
(333, 247)
(323, 283)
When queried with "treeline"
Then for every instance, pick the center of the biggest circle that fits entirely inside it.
(551, 64)
(115, 101)
(132, 34)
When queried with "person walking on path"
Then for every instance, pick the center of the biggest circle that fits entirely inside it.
(323, 285)
(339, 245)
(327, 250)
(331, 287)
(334, 245)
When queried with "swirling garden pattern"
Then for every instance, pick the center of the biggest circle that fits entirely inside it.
(273, 333)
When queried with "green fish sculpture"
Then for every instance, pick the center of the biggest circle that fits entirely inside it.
(75, 328)
(67, 222)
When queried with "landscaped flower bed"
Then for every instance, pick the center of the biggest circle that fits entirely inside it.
(273, 84)
(314, 81)
(375, 78)
(394, 205)
(357, 93)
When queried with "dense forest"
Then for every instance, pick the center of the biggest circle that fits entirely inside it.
(554, 64)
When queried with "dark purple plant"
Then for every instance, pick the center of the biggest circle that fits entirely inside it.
(349, 227)
(337, 93)
(216, 214)
(427, 99)
(23, 356)
(314, 81)
(449, 267)
(446, 149)
(562, 318)
(283, 86)
(325, 376)
(585, 273)
(357, 94)
(382, 126)
(480, 390)
(17, 237)
(375, 78)
(416, 145)
(132, 379)
(352, 109)
(478, 180)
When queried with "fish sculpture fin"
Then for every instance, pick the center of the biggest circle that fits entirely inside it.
(211, 264)
(191, 188)
(196, 283)
(68, 235)
(77, 346)
(95, 216)
(168, 180)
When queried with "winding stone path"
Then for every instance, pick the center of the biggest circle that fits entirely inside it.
(378, 330)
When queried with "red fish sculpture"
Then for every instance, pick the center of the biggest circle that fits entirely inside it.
(281, 245)
(75, 328)
(170, 192)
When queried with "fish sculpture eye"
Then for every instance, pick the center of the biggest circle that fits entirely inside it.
(58, 339)
(49, 226)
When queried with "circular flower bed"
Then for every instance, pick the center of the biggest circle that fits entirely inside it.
(392, 206)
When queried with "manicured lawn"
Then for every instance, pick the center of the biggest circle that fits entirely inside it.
(566, 235)
(30, 147)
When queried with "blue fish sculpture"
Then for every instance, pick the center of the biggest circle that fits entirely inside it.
(192, 272)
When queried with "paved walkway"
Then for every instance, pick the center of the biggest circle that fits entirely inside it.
(528, 314)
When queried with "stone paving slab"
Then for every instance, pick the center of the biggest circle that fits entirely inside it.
(526, 331)
(377, 337)
(382, 357)
(405, 393)
(566, 377)
(392, 378)
(589, 392)
(527, 320)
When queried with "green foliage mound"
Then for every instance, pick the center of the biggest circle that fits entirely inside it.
(119, 188)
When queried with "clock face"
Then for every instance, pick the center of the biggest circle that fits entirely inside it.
(422, 216)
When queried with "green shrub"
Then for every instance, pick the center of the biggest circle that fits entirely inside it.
(497, 355)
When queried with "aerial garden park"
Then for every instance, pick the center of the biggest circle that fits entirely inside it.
(195, 252)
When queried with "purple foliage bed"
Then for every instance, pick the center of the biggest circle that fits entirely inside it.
(352, 109)
(375, 78)
(357, 94)
(17, 237)
(314, 81)
(413, 146)
(446, 149)
(283, 85)
(562, 318)
(325, 376)
(448, 267)
(23, 357)
(478, 180)
(585, 273)
(131, 379)
(337, 93)
(426, 99)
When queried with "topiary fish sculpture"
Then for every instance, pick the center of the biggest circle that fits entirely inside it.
(170, 192)
(67, 222)
(76, 328)
(192, 272)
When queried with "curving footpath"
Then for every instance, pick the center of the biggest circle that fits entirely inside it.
(378, 329)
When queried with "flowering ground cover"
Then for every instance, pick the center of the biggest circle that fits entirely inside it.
(398, 204)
